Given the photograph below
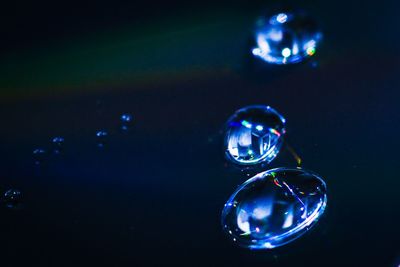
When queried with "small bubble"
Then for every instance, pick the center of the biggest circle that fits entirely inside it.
(58, 143)
(101, 138)
(12, 198)
(39, 155)
(126, 120)
(126, 117)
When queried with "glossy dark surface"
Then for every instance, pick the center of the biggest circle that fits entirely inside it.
(153, 196)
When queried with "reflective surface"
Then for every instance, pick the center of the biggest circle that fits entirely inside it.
(274, 208)
(286, 38)
(254, 134)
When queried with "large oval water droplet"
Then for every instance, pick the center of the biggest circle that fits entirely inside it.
(286, 38)
(274, 208)
(254, 135)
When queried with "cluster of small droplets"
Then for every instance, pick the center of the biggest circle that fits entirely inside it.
(12, 199)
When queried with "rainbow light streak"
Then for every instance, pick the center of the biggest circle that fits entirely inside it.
(310, 51)
(294, 154)
(293, 194)
(276, 182)
(272, 130)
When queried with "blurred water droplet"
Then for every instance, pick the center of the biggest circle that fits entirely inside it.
(12, 199)
(39, 155)
(126, 120)
(286, 38)
(101, 138)
(58, 143)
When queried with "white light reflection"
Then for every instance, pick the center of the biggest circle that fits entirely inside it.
(264, 211)
(281, 18)
(286, 52)
(289, 218)
(243, 221)
(275, 35)
(259, 128)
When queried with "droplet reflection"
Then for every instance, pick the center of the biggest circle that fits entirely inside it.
(254, 135)
(286, 38)
(274, 208)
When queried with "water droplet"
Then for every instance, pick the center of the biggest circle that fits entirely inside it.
(12, 198)
(101, 138)
(286, 38)
(126, 120)
(254, 135)
(39, 155)
(58, 143)
(274, 208)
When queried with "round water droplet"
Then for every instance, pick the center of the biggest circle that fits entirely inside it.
(286, 38)
(39, 155)
(126, 120)
(274, 208)
(57, 143)
(254, 135)
(101, 138)
(12, 198)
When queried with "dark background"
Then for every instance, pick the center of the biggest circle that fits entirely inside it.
(153, 196)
